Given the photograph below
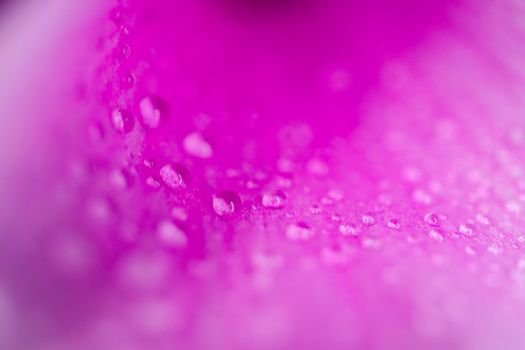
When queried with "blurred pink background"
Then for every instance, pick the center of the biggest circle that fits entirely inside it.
(262, 174)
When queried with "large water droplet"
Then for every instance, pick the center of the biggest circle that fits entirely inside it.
(195, 145)
(431, 219)
(122, 120)
(274, 200)
(150, 109)
(175, 175)
(226, 203)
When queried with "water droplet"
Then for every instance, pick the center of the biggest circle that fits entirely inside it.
(432, 219)
(122, 120)
(368, 219)
(334, 256)
(335, 194)
(327, 201)
(152, 182)
(195, 145)
(175, 175)
(251, 185)
(299, 232)
(226, 203)
(347, 230)
(149, 163)
(466, 229)
(393, 224)
(470, 251)
(482, 219)
(317, 167)
(494, 249)
(336, 217)
(285, 165)
(171, 234)
(128, 80)
(314, 209)
(120, 179)
(274, 200)
(150, 109)
(284, 181)
(435, 235)
(422, 197)
(122, 51)
(371, 243)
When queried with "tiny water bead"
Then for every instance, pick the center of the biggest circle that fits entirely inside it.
(128, 80)
(393, 224)
(175, 175)
(195, 145)
(300, 231)
(431, 219)
(226, 203)
(315, 209)
(122, 51)
(150, 111)
(435, 235)
(122, 120)
(348, 230)
(482, 219)
(368, 219)
(274, 200)
(466, 229)
(170, 234)
(336, 217)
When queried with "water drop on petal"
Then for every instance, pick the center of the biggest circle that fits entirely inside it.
(348, 230)
(122, 120)
(274, 200)
(150, 110)
(431, 219)
(435, 235)
(226, 203)
(465, 229)
(393, 224)
(368, 219)
(195, 145)
(175, 175)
